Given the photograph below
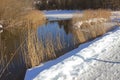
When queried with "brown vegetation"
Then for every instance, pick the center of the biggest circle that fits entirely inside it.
(90, 14)
(40, 51)
(34, 17)
(88, 32)
(11, 10)
(89, 29)
(17, 12)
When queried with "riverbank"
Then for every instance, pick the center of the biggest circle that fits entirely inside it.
(75, 63)
(83, 61)
(60, 14)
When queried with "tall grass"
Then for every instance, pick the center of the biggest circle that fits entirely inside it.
(11, 10)
(89, 32)
(40, 50)
(100, 13)
(17, 12)
(91, 24)
(45, 48)
(90, 14)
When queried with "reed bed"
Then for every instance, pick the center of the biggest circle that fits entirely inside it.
(87, 32)
(10, 57)
(14, 13)
(15, 16)
(38, 50)
(41, 50)
(91, 24)
(12, 10)
(100, 13)
(90, 14)
(16, 58)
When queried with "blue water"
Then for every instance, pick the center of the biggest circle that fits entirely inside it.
(55, 28)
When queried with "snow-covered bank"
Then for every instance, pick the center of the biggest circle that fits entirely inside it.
(90, 22)
(68, 14)
(59, 14)
(98, 59)
(115, 14)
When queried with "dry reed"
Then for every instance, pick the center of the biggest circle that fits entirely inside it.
(88, 29)
(17, 12)
(11, 10)
(87, 32)
(39, 50)
(100, 13)
(90, 14)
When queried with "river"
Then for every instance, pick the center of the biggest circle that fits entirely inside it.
(13, 59)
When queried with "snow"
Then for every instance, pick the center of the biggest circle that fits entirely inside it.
(115, 15)
(95, 60)
(1, 26)
(1, 31)
(68, 14)
(115, 20)
(60, 14)
(93, 20)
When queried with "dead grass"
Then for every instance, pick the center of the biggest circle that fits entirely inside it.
(32, 46)
(10, 10)
(89, 30)
(15, 13)
(100, 13)
(35, 17)
(90, 14)
(19, 13)
(40, 50)
(31, 17)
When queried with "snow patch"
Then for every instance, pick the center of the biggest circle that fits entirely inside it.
(60, 14)
(90, 21)
(1, 26)
(1, 31)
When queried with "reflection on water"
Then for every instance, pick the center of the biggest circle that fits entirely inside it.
(13, 58)
(60, 29)
(9, 42)
(56, 27)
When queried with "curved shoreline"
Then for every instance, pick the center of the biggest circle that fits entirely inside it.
(73, 64)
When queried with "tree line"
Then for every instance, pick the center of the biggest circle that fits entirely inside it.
(77, 4)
